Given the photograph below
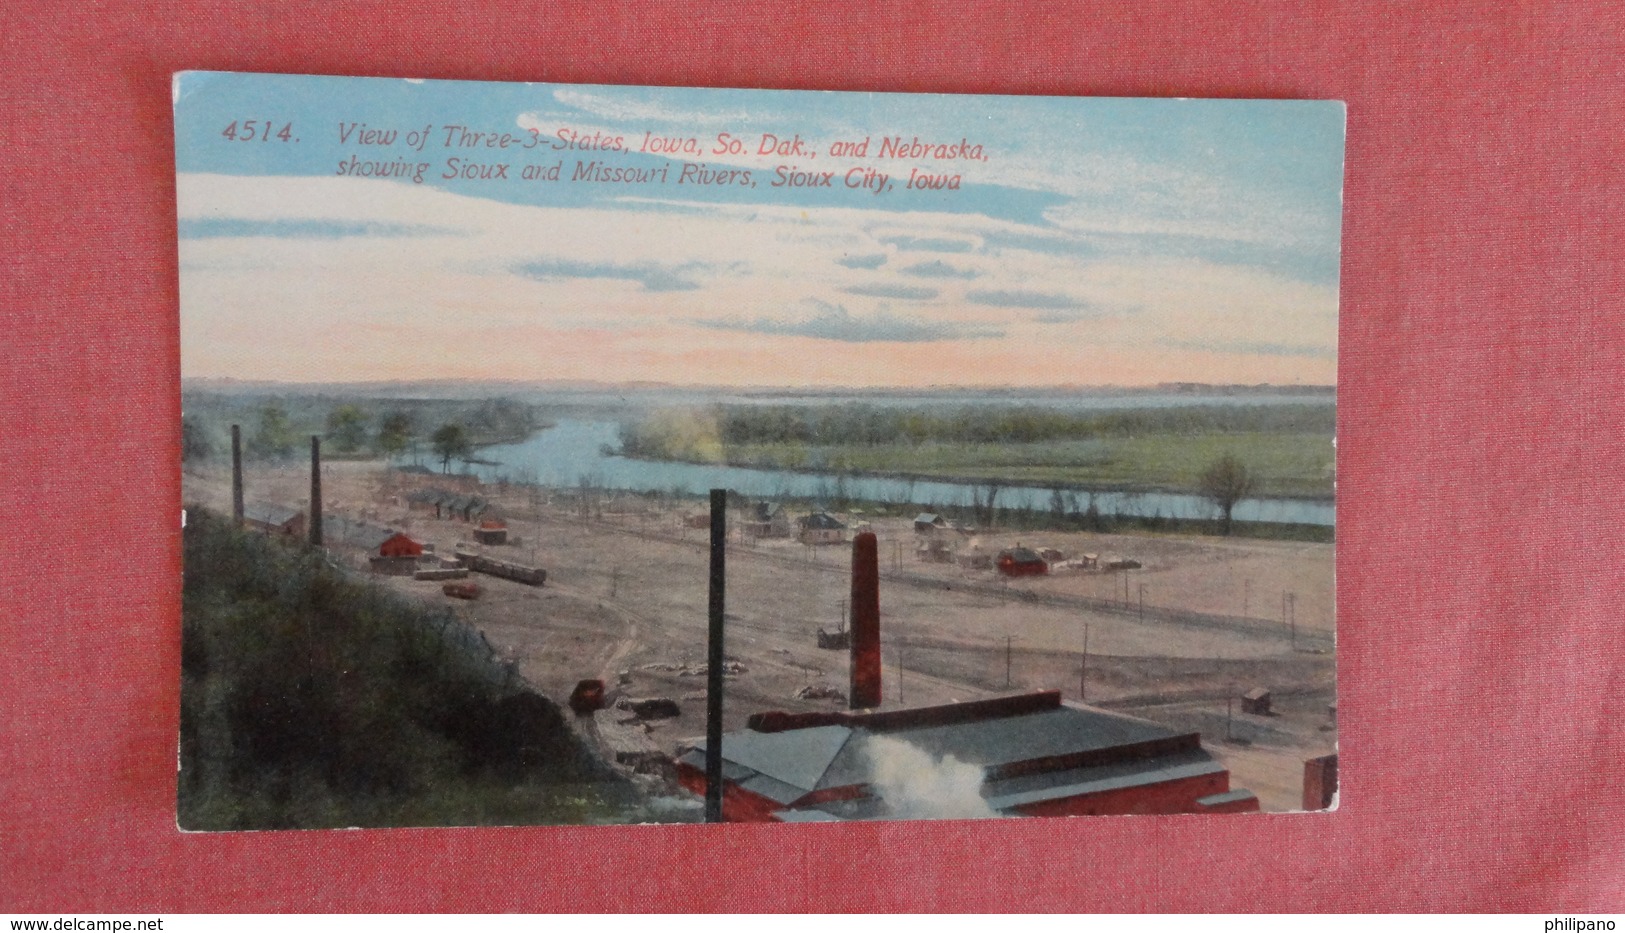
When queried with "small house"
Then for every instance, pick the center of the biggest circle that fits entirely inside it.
(927, 523)
(491, 531)
(427, 500)
(822, 528)
(1256, 701)
(771, 521)
(1019, 561)
(975, 559)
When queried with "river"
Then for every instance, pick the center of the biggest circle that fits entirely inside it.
(575, 449)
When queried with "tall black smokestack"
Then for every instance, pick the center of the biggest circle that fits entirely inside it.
(714, 657)
(865, 690)
(237, 475)
(316, 490)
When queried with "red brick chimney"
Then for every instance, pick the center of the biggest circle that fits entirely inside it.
(865, 692)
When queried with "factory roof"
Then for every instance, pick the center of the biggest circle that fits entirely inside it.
(1031, 748)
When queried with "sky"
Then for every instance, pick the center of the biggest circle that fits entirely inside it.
(1088, 241)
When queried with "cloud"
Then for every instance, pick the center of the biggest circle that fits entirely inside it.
(1022, 298)
(653, 278)
(870, 261)
(911, 292)
(203, 228)
(937, 269)
(929, 244)
(832, 322)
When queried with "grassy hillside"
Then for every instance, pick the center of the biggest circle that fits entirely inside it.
(310, 699)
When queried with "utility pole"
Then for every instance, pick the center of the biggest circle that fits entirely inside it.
(1246, 594)
(1142, 602)
(1008, 640)
(237, 476)
(1292, 618)
(900, 669)
(1083, 667)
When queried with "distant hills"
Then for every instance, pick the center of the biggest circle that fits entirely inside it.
(475, 388)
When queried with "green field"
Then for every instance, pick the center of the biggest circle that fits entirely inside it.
(1283, 464)
(1286, 448)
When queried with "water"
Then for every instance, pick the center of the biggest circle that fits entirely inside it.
(573, 449)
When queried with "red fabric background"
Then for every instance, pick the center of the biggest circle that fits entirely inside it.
(1482, 642)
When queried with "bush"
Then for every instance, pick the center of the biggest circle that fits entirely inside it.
(311, 699)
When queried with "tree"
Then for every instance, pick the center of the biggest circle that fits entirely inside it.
(1225, 482)
(450, 442)
(395, 433)
(274, 436)
(347, 426)
(194, 441)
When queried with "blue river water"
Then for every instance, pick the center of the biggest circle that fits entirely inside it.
(572, 450)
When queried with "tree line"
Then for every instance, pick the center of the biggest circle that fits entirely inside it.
(277, 428)
(864, 424)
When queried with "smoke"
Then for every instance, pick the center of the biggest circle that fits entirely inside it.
(917, 786)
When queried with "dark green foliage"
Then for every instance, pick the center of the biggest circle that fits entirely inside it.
(450, 442)
(347, 427)
(1226, 481)
(356, 424)
(395, 433)
(194, 440)
(857, 423)
(274, 436)
(310, 699)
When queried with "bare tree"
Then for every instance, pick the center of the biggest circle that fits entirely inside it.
(1225, 482)
(984, 509)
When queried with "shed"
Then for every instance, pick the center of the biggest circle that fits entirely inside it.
(771, 521)
(491, 532)
(274, 520)
(927, 523)
(1256, 701)
(1019, 561)
(427, 500)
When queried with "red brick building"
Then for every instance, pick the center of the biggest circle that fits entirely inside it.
(1026, 755)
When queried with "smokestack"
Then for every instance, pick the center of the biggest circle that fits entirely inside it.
(715, 657)
(865, 690)
(316, 490)
(237, 475)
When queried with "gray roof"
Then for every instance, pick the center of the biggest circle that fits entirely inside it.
(786, 766)
(360, 534)
(822, 520)
(268, 514)
(927, 518)
(1059, 785)
(1229, 796)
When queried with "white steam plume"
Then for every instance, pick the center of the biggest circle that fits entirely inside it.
(918, 786)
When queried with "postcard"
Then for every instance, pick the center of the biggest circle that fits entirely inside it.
(561, 454)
